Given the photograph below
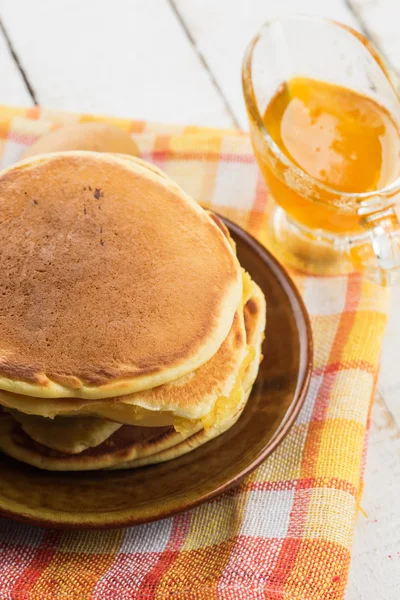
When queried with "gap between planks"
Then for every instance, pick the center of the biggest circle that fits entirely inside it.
(354, 8)
(203, 61)
(15, 58)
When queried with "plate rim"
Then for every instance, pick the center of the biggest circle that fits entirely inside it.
(300, 393)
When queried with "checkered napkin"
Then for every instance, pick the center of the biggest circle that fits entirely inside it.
(286, 531)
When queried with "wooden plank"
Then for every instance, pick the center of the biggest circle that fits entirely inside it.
(380, 19)
(222, 30)
(125, 57)
(12, 87)
(375, 568)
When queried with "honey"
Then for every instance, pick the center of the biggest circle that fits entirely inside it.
(342, 139)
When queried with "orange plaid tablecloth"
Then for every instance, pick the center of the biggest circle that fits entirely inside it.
(287, 531)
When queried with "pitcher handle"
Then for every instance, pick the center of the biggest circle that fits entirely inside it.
(378, 253)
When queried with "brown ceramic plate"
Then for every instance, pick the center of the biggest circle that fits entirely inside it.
(116, 499)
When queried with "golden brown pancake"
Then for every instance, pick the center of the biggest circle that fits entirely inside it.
(133, 446)
(97, 137)
(114, 281)
(191, 396)
(255, 313)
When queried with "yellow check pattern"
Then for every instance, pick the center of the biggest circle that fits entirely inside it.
(286, 531)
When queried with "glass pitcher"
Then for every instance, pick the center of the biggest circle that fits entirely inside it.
(312, 226)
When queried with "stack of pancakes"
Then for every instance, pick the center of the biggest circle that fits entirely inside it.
(130, 334)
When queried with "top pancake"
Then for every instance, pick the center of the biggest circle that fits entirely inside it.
(113, 280)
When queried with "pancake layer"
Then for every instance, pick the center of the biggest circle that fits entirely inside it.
(190, 396)
(231, 410)
(114, 280)
(134, 446)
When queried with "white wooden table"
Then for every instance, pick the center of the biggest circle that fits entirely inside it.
(179, 61)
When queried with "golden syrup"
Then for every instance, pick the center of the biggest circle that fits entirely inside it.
(339, 137)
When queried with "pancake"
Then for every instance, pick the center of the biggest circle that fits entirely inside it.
(133, 446)
(191, 396)
(97, 137)
(127, 443)
(114, 280)
(255, 311)
(65, 434)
